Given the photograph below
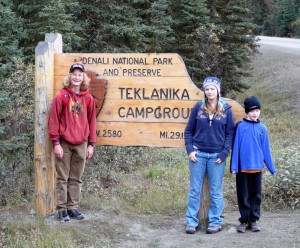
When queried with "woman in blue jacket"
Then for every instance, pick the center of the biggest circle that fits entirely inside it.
(251, 150)
(208, 139)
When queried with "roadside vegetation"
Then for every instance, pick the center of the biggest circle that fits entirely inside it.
(153, 182)
(213, 37)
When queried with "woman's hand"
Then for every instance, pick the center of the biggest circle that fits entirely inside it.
(192, 156)
(218, 161)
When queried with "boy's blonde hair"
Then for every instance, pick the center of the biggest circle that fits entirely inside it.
(84, 86)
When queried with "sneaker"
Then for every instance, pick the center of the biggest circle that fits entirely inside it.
(63, 216)
(74, 213)
(190, 229)
(254, 227)
(213, 229)
(241, 228)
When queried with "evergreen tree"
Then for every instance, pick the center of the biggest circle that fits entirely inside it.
(16, 133)
(44, 16)
(295, 25)
(285, 15)
(112, 26)
(221, 44)
(261, 12)
(4, 108)
(18, 120)
(189, 16)
(10, 33)
(127, 26)
(278, 17)
(160, 32)
(226, 51)
(59, 16)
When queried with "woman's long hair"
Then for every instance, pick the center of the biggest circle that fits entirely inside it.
(211, 110)
(84, 86)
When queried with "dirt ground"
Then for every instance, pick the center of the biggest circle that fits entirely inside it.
(110, 230)
(278, 229)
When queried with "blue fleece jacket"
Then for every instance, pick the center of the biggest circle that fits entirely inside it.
(213, 136)
(251, 148)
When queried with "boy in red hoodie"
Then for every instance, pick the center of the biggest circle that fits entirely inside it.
(72, 129)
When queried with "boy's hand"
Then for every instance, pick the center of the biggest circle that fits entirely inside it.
(58, 151)
(89, 152)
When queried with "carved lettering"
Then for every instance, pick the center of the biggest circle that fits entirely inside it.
(110, 72)
(142, 72)
(162, 61)
(154, 94)
(95, 60)
(129, 61)
(157, 113)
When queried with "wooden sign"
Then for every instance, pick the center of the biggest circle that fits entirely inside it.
(142, 99)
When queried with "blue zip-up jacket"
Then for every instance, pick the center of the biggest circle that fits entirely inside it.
(251, 148)
(214, 136)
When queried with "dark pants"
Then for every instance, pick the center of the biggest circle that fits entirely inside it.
(248, 187)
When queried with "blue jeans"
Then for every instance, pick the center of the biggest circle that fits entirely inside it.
(206, 164)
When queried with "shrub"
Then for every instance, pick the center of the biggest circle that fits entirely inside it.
(283, 189)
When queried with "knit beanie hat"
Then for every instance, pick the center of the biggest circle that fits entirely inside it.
(212, 81)
(251, 103)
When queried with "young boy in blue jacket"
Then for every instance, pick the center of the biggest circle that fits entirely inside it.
(251, 150)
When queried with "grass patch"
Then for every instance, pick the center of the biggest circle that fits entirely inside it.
(160, 185)
(35, 233)
(165, 190)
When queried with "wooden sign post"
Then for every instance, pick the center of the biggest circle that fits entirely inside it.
(44, 166)
(141, 99)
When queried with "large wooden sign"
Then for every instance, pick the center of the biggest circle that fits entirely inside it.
(142, 99)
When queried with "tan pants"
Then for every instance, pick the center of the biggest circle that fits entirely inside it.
(69, 172)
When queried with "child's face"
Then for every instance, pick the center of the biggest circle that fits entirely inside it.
(76, 77)
(253, 115)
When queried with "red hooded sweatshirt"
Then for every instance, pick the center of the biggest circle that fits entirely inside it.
(74, 122)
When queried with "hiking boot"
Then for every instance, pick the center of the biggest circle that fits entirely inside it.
(254, 227)
(241, 228)
(190, 229)
(75, 214)
(63, 216)
(213, 229)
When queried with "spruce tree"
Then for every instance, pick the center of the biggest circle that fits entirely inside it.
(112, 26)
(278, 17)
(225, 48)
(10, 33)
(189, 16)
(16, 133)
(261, 10)
(18, 117)
(48, 16)
(160, 33)
(4, 108)
(285, 15)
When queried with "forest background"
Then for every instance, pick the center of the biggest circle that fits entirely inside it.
(213, 38)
